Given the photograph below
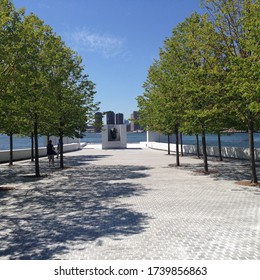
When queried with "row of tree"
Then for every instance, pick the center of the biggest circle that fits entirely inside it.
(206, 79)
(43, 88)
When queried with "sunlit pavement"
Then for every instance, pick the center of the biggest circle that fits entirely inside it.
(129, 204)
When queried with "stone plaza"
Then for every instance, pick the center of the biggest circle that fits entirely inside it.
(129, 204)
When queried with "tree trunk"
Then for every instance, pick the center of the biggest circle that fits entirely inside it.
(169, 148)
(11, 149)
(219, 146)
(198, 146)
(252, 152)
(181, 144)
(177, 146)
(32, 148)
(61, 150)
(204, 149)
(37, 166)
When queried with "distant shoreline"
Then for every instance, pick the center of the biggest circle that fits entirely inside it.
(236, 139)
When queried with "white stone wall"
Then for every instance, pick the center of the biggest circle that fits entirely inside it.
(21, 154)
(228, 152)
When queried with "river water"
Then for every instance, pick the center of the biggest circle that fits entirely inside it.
(232, 140)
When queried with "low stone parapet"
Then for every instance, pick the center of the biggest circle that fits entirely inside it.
(228, 152)
(21, 154)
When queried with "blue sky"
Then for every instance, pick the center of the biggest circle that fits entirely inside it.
(117, 39)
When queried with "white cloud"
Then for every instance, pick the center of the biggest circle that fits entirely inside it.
(107, 45)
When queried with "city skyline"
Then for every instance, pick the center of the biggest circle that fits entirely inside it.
(110, 117)
(126, 118)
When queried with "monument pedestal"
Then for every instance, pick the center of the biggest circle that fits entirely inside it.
(114, 136)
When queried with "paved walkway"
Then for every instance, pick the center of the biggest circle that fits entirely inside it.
(129, 204)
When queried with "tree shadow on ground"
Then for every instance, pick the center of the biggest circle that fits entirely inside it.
(76, 205)
(82, 160)
(228, 169)
(22, 172)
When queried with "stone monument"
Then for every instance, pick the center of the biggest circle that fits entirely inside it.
(114, 136)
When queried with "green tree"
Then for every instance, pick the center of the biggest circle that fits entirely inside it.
(237, 22)
(34, 96)
(201, 81)
(199, 75)
(72, 104)
(158, 107)
(10, 48)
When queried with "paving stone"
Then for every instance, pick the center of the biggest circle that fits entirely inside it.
(128, 204)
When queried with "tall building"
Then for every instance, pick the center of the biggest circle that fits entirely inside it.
(110, 117)
(119, 118)
(98, 121)
(133, 125)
